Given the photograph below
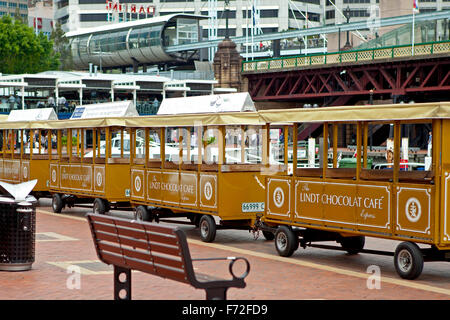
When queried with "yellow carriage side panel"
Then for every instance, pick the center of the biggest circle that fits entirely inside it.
(75, 177)
(169, 188)
(208, 192)
(99, 179)
(188, 189)
(339, 202)
(332, 204)
(54, 175)
(1, 169)
(25, 170)
(413, 211)
(308, 206)
(241, 195)
(153, 182)
(444, 219)
(137, 184)
(36, 169)
(445, 208)
(278, 201)
(11, 170)
(117, 183)
(374, 210)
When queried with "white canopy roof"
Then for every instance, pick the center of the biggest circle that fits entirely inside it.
(105, 110)
(231, 102)
(33, 115)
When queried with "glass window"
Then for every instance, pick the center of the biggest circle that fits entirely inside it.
(133, 39)
(154, 144)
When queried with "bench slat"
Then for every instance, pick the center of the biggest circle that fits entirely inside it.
(144, 266)
(141, 244)
(136, 233)
(146, 256)
(131, 224)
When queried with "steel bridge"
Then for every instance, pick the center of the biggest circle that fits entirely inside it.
(340, 78)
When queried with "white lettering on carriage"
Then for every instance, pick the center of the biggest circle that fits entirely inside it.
(341, 200)
(172, 187)
(76, 177)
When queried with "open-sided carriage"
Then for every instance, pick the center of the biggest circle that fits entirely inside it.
(28, 145)
(208, 167)
(323, 201)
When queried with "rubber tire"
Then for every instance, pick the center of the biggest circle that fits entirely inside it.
(142, 214)
(99, 206)
(285, 234)
(416, 256)
(57, 203)
(268, 235)
(353, 245)
(207, 224)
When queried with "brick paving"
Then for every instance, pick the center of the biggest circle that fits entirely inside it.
(68, 241)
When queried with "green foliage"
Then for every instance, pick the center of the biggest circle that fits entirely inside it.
(62, 48)
(22, 51)
(209, 141)
(64, 141)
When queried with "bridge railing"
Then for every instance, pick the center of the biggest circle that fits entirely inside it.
(286, 63)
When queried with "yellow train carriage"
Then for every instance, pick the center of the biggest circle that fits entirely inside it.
(400, 198)
(207, 167)
(27, 150)
(86, 170)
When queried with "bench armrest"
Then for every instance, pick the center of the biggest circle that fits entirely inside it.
(230, 267)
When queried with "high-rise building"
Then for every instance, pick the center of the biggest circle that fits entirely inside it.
(246, 17)
(13, 7)
(40, 16)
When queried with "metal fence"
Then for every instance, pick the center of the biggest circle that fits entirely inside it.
(365, 55)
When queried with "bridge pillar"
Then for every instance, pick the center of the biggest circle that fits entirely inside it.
(227, 65)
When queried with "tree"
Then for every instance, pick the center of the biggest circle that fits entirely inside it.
(22, 51)
(62, 48)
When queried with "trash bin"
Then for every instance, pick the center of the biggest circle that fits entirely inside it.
(17, 227)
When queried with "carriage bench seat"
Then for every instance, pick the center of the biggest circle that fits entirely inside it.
(156, 249)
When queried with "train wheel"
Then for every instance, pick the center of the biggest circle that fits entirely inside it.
(142, 214)
(57, 203)
(207, 228)
(268, 235)
(286, 241)
(99, 206)
(353, 245)
(408, 260)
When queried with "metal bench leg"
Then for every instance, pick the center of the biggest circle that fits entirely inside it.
(124, 285)
(216, 294)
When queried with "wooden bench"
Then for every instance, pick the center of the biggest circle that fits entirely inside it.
(155, 249)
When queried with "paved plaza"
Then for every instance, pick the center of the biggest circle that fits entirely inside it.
(67, 268)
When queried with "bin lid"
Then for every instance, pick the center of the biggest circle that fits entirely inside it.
(19, 191)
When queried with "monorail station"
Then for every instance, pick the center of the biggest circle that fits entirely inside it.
(136, 43)
(63, 91)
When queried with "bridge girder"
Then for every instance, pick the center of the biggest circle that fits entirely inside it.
(415, 78)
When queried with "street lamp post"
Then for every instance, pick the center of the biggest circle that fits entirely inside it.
(347, 16)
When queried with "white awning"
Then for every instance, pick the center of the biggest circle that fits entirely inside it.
(232, 102)
(33, 115)
(105, 110)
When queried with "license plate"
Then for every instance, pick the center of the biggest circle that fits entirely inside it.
(253, 207)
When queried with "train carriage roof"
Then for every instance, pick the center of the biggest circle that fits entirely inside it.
(406, 112)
